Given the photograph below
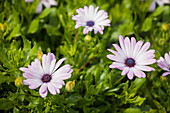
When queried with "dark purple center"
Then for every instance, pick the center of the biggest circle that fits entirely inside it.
(90, 23)
(130, 62)
(46, 78)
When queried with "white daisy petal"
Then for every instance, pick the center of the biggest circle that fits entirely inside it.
(130, 74)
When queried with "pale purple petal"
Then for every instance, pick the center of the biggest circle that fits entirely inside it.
(125, 71)
(61, 76)
(51, 88)
(64, 69)
(28, 0)
(145, 68)
(59, 63)
(39, 8)
(130, 74)
(43, 90)
(166, 73)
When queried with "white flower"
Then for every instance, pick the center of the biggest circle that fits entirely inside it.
(91, 19)
(165, 63)
(46, 75)
(132, 57)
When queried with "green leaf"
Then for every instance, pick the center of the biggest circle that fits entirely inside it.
(27, 44)
(45, 12)
(15, 110)
(5, 104)
(147, 25)
(132, 110)
(158, 11)
(137, 101)
(34, 50)
(34, 26)
(15, 32)
(52, 30)
(4, 59)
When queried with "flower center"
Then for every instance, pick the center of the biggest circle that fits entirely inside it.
(46, 78)
(130, 62)
(90, 23)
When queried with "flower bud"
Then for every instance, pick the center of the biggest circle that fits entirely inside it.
(165, 26)
(70, 85)
(87, 38)
(18, 82)
(40, 54)
(162, 41)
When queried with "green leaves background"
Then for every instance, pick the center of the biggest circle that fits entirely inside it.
(98, 89)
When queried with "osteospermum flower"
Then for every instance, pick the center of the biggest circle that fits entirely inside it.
(46, 3)
(91, 19)
(132, 57)
(159, 2)
(165, 63)
(48, 75)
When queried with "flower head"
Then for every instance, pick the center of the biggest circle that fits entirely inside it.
(46, 3)
(159, 2)
(47, 75)
(91, 19)
(165, 63)
(132, 57)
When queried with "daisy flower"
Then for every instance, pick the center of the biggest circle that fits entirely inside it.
(46, 3)
(91, 19)
(132, 57)
(159, 2)
(47, 75)
(165, 63)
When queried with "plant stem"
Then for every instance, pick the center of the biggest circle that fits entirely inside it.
(84, 64)
(119, 80)
(75, 35)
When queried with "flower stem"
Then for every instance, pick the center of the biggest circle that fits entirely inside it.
(75, 35)
(119, 80)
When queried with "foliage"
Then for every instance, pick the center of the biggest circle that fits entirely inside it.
(98, 89)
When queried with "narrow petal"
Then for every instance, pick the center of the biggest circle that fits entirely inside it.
(39, 8)
(59, 63)
(127, 46)
(137, 48)
(114, 58)
(125, 71)
(130, 74)
(64, 69)
(167, 58)
(166, 73)
(133, 43)
(43, 90)
(145, 68)
(61, 76)
(51, 88)
(147, 62)
(52, 66)
(137, 72)
(35, 85)
(117, 65)
(143, 49)
(143, 75)
(121, 41)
